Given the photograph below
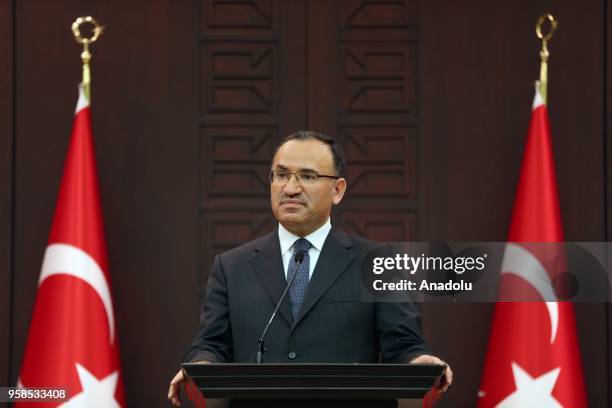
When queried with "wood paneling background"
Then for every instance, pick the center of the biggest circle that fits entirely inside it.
(6, 185)
(430, 99)
(608, 162)
(478, 61)
(145, 118)
(362, 77)
(252, 94)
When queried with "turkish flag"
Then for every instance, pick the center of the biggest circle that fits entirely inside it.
(73, 342)
(533, 359)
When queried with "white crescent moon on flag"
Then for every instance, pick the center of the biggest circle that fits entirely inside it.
(64, 259)
(522, 263)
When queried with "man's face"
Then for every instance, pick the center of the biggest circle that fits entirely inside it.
(304, 208)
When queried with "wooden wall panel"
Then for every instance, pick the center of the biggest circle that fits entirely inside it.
(382, 161)
(252, 94)
(476, 78)
(365, 95)
(608, 171)
(145, 118)
(6, 185)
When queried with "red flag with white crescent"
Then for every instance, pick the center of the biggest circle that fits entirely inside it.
(533, 358)
(72, 342)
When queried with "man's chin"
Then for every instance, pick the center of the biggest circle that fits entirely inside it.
(291, 218)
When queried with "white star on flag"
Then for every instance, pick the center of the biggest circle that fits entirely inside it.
(532, 392)
(96, 393)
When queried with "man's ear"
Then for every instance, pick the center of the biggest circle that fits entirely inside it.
(339, 189)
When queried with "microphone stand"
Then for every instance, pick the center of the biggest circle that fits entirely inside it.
(299, 257)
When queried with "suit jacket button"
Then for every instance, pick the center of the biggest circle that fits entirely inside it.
(292, 355)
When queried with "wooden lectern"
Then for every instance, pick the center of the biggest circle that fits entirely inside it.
(313, 381)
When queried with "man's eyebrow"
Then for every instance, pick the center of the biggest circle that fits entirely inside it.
(306, 169)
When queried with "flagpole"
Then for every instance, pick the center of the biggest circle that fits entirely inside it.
(544, 54)
(86, 55)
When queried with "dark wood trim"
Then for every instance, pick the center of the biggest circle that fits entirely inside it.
(6, 184)
(145, 124)
(293, 68)
(323, 63)
(608, 165)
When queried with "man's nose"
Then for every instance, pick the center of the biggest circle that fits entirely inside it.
(292, 187)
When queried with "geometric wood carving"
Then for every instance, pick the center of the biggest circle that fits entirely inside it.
(238, 14)
(378, 14)
(379, 77)
(381, 161)
(237, 144)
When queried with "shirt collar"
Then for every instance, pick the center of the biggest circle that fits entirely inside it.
(316, 238)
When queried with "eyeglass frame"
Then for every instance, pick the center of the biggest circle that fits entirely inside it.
(297, 177)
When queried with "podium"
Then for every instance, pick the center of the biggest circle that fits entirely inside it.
(313, 381)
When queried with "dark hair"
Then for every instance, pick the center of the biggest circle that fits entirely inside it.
(334, 147)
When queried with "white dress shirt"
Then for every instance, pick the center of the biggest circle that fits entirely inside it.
(316, 239)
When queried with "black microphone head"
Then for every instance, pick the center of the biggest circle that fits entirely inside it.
(299, 257)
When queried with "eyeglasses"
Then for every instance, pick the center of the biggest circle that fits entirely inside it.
(282, 177)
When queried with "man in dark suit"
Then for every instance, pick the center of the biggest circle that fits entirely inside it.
(323, 320)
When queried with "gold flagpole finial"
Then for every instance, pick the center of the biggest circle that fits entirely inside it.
(85, 41)
(544, 54)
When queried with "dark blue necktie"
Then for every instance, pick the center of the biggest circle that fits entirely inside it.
(300, 284)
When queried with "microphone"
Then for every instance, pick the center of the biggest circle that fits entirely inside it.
(299, 258)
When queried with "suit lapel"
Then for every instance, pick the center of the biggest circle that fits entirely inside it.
(333, 260)
(268, 266)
